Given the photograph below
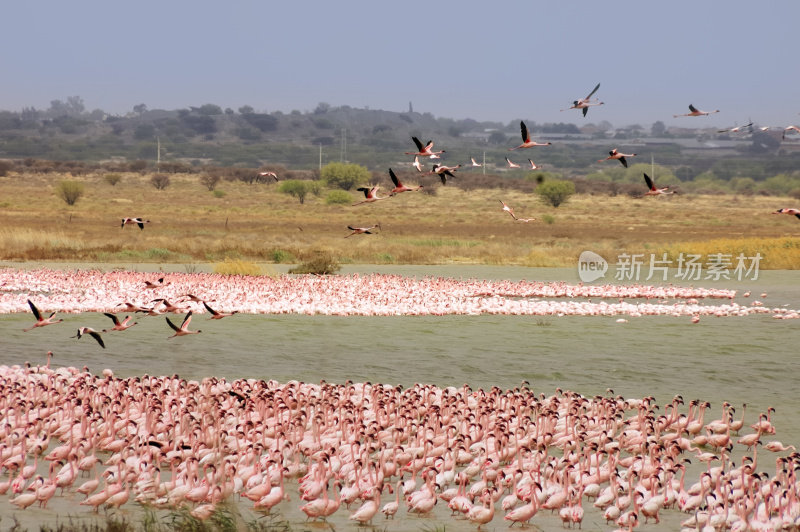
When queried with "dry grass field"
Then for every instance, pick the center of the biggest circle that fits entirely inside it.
(189, 224)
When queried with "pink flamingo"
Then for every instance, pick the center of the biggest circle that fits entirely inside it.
(183, 330)
(693, 111)
(362, 230)
(370, 195)
(653, 190)
(526, 139)
(584, 103)
(137, 221)
(40, 321)
(444, 171)
(616, 154)
(91, 332)
(424, 151)
(119, 325)
(217, 315)
(791, 212)
(400, 187)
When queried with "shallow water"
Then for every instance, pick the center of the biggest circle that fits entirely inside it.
(749, 360)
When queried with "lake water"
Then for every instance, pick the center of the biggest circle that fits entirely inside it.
(749, 360)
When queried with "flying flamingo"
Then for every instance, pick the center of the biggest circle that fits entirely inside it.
(416, 164)
(131, 221)
(40, 321)
(158, 284)
(216, 315)
(119, 325)
(362, 230)
(273, 175)
(693, 111)
(585, 103)
(400, 187)
(653, 189)
(91, 332)
(371, 195)
(526, 139)
(183, 330)
(534, 166)
(511, 164)
(615, 154)
(424, 151)
(444, 171)
(475, 163)
(736, 129)
(789, 128)
(795, 212)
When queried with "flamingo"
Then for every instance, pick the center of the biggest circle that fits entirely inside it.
(390, 508)
(795, 212)
(91, 332)
(653, 190)
(534, 166)
(370, 194)
(789, 128)
(508, 209)
(273, 175)
(137, 221)
(475, 163)
(216, 315)
(511, 164)
(362, 230)
(526, 139)
(424, 151)
(400, 187)
(416, 164)
(736, 129)
(158, 284)
(615, 154)
(444, 171)
(584, 103)
(119, 325)
(693, 111)
(183, 330)
(40, 321)
(482, 514)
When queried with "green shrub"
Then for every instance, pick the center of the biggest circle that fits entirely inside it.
(555, 192)
(548, 219)
(338, 197)
(323, 264)
(344, 176)
(218, 193)
(279, 256)
(295, 188)
(69, 191)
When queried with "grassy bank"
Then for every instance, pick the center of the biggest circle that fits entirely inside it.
(190, 224)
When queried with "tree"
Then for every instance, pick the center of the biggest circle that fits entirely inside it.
(140, 108)
(344, 175)
(246, 110)
(69, 191)
(295, 188)
(497, 138)
(555, 192)
(658, 129)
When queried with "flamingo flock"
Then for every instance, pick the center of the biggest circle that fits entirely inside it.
(489, 456)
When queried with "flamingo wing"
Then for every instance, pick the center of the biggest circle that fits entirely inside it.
(585, 110)
(593, 91)
(394, 178)
(211, 310)
(113, 317)
(693, 109)
(172, 325)
(649, 182)
(186, 320)
(97, 337)
(34, 310)
(365, 190)
(623, 161)
(524, 130)
(420, 147)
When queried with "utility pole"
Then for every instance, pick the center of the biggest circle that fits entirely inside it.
(484, 163)
(320, 157)
(158, 154)
(343, 152)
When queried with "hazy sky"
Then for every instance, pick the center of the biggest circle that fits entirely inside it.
(492, 60)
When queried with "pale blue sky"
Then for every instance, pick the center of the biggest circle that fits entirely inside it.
(499, 60)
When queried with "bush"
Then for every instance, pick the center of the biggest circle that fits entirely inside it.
(5, 167)
(344, 176)
(160, 181)
(112, 179)
(218, 193)
(279, 256)
(295, 188)
(338, 197)
(237, 267)
(69, 191)
(210, 181)
(323, 264)
(555, 192)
